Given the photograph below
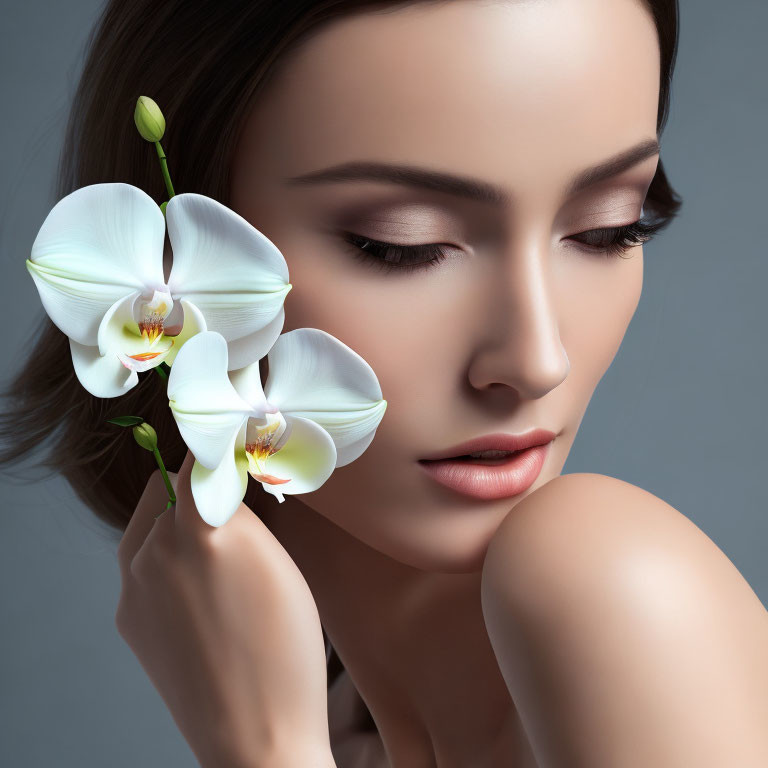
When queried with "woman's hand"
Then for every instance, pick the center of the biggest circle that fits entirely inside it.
(226, 628)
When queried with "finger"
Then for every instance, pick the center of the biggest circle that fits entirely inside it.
(151, 503)
(186, 512)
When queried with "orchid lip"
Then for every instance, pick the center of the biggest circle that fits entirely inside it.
(271, 479)
(264, 441)
(499, 441)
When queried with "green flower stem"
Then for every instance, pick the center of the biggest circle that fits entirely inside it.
(160, 371)
(167, 507)
(164, 169)
(164, 473)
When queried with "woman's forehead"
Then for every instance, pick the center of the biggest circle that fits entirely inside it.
(466, 85)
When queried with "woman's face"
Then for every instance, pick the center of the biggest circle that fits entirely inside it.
(514, 327)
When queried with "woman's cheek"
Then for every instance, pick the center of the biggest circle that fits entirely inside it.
(598, 304)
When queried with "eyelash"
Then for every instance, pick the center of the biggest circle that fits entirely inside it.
(615, 241)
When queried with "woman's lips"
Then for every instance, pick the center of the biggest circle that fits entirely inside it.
(489, 478)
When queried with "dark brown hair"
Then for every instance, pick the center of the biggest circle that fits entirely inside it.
(204, 62)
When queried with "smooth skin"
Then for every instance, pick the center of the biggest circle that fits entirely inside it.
(582, 623)
(227, 631)
(625, 636)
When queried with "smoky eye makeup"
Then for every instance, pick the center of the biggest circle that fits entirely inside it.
(394, 237)
(385, 256)
(400, 238)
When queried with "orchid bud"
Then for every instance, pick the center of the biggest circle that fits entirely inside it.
(149, 119)
(145, 436)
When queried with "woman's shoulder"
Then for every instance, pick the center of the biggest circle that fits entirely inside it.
(587, 530)
(610, 607)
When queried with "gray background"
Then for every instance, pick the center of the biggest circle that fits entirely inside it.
(680, 412)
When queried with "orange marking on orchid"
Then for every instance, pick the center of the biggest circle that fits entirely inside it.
(143, 356)
(260, 451)
(271, 479)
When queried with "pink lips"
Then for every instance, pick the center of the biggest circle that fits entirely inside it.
(503, 479)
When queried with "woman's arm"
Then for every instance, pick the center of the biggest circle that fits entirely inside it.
(625, 636)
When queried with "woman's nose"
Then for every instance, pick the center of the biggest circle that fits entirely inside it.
(520, 345)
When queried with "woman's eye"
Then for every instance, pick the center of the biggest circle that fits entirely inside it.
(608, 241)
(389, 256)
(614, 241)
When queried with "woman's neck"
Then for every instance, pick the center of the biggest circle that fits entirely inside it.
(414, 643)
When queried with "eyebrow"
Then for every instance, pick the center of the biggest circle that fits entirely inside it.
(463, 186)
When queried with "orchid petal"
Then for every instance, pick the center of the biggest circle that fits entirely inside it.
(354, 448)
(102, 376)
(314, 375)
(75, 307)
(308, 458)
(193, 323)
(96, 245)
(239, 315)
(218, 492)
(233, 273)
(352, 431)
(247, 383)
(207, 409)
(254, 346)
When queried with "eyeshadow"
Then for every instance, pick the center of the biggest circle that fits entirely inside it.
(418, 221)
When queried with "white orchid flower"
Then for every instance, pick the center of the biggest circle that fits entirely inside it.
(319, 410)
(97, 262)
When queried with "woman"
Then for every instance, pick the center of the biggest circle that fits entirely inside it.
(461, 190)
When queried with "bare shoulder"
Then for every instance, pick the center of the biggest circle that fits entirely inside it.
(593, 525)
(627, 636)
